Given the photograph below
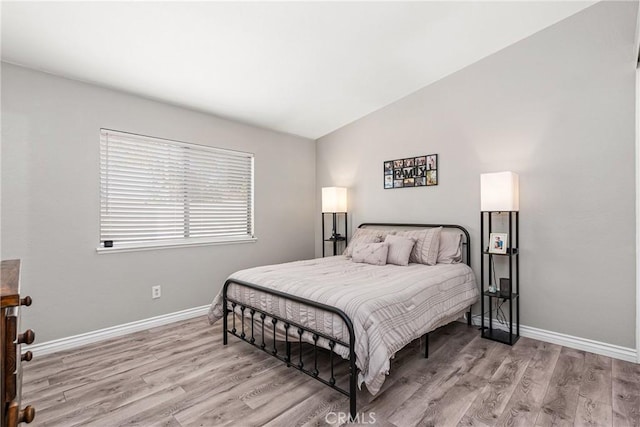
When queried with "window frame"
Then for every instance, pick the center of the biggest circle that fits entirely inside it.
(175, 242)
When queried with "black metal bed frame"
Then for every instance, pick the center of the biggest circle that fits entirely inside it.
(300, 330)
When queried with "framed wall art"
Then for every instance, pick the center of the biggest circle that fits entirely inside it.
(421, 171)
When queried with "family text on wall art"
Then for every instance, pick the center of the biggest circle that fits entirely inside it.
(421, 171)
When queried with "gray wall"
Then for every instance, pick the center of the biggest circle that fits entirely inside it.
(558, 108)
(50, 204)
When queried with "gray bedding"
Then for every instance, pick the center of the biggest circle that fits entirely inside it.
(389, 305)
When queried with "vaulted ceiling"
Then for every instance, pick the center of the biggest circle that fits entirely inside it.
(305, 68)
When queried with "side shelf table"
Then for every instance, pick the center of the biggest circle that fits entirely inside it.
(335, 239)
(509, 291)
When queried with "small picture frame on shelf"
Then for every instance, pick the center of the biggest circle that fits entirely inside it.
(498, 243)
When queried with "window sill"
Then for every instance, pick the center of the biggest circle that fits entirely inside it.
(172, 245)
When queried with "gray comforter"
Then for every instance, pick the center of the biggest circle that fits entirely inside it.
(389, 305)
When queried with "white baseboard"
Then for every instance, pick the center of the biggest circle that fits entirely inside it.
(74, 341)
(597, 347)
(611, 350)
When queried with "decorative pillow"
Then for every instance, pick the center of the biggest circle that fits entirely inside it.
(427, 245)
(370, 253)
(366, 235)
(450, 251)
(399, 249)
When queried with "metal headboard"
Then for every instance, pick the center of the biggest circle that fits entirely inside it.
(466, 243)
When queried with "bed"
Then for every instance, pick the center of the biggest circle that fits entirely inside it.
(363, 313)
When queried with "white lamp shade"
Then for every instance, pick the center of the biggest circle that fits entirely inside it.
(334, 199)
(499, 192)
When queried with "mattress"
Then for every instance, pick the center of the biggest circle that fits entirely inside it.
(389, 305)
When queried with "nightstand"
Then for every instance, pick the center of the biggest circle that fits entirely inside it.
(509, 290)
(335, 239)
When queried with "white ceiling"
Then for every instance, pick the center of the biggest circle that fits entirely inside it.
(297, 67)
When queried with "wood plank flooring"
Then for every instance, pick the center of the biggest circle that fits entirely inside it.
(182, 375)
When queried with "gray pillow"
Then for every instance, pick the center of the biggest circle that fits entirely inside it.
(366, 235)
(427, 245)
(399, 249)
(371, 253)
(450, 250)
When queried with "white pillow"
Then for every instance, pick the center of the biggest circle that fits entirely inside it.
(427, 245)
(450, 251)
(366, 235)
(399, 249)
(370, 253)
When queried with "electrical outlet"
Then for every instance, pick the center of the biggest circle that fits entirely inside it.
(156, 292)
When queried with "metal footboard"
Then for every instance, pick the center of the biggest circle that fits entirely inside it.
(247, 333)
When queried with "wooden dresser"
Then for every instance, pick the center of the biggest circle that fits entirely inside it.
(10, 357)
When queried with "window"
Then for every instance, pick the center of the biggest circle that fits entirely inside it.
(156, 192)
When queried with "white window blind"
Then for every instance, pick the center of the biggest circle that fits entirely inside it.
(156, 192)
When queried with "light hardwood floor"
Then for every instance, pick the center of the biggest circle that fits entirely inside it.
(181, 375)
